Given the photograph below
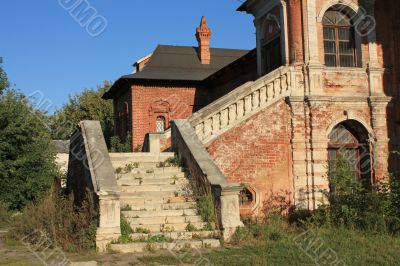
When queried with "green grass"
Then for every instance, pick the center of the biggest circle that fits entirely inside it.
(273, 246)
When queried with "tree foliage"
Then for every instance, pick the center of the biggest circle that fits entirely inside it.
(27, 162)
(3, 78)
(85, 106)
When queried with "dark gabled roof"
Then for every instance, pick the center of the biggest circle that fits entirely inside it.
(180, 63)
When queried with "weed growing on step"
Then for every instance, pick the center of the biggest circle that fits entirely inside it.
(150, 171)
(161, 165)
(141, 230)
(206, 208)
(174, 161)
(151, 247)
(191, 228)
(126, 208)
(160, 239)
(126, 231)
(129, 167)
(207, 227)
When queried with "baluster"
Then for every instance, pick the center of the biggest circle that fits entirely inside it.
(208, 127)
(284, 83)
(255, 99)
(200, 130)
(216, 125)
(263, 95)
(270, 91)
(240, 108)
(232, 114)
(277, 85)
(224, 118)
(247, 104)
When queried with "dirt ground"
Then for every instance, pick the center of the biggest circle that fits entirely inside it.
(14, 253)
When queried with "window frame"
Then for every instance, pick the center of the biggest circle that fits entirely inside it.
(352, 40)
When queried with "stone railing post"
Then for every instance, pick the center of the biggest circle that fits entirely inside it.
(230, 210)
(109, 220)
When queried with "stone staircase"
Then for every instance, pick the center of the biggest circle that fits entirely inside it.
(156, 201)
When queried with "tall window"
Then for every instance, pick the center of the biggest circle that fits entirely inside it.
(272, 55)
(160, 124)
(339, 40)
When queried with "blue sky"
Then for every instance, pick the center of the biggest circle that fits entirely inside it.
(45, 49)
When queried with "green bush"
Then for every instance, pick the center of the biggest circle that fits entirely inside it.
(355, 205)
(5, 215)
(126, 231)
(175, 161)
(27, 159)
(206, 208)
(117, 145)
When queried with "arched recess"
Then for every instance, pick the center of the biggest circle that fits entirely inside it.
(350, 141)
(159, 110)
(349, 6)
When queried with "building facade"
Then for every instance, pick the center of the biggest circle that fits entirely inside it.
(322, 82)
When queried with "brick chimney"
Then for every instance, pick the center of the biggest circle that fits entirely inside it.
(203, 35)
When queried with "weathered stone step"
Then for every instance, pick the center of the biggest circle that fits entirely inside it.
(160, 220)
(163, 206)
(151, 188)
(129, 181)
(128, 198)
(177, 227)
(145, 175)
(177, 235)
(157, 170)
(176, 245)
(163, 213)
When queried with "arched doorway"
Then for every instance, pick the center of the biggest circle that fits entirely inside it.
(350, 141)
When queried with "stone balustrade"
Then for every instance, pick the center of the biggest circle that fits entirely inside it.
(241, 103)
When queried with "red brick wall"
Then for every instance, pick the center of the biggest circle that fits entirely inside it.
(149, 102)
(258, 154)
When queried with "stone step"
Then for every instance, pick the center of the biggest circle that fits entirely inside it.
(163, 213)
(162, 206)
(177, 227)
(175, 246)
(177, 235)
(160, 220)
(140, 157)
(132, 200)
(133, 176)
(152, 188)
(128, 181)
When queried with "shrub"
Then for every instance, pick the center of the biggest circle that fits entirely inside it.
(27, 159)
(355, 205)
(67, 226)
(117, 145)
(126, 231)
(5, 215)
(174, 161)
(206, 208)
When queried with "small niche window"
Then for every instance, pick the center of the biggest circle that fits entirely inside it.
(339, 40)
(245, 197)
(160, 124)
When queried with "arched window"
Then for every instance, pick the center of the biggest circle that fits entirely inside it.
(160, 124)
(339, 39)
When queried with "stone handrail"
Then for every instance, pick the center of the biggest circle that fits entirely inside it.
(207, 176)
(91, 177)
(242, 103)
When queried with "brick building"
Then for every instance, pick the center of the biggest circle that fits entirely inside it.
(323, 80)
